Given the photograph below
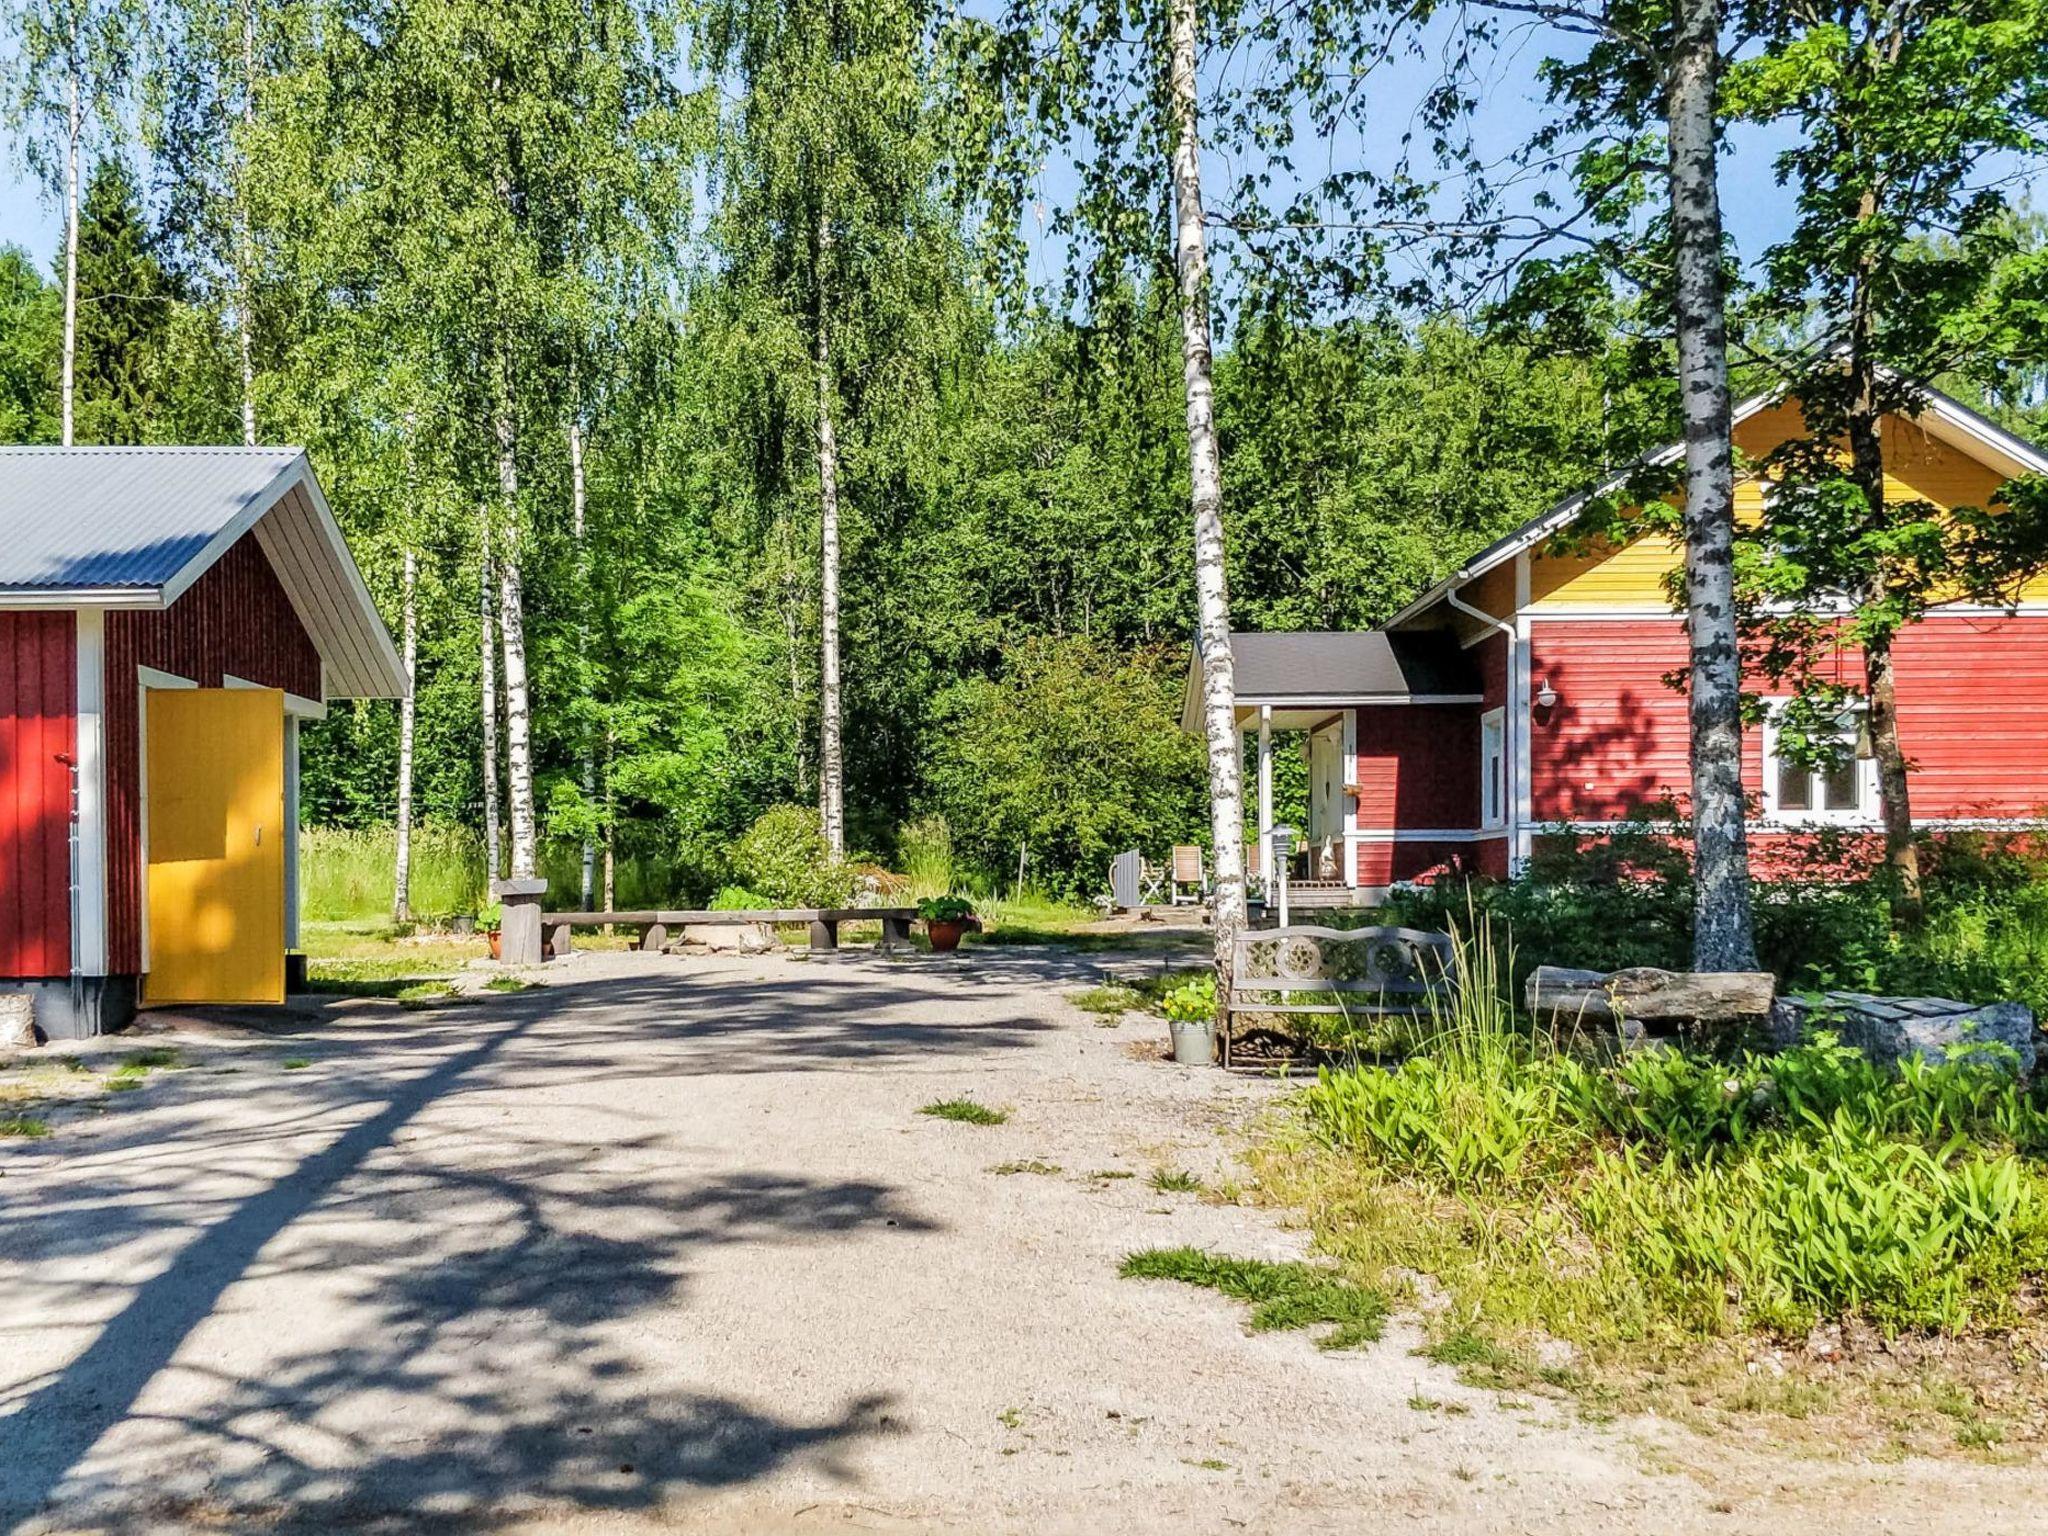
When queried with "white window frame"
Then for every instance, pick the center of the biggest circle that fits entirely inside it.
(1865, 812)
(1493, 770)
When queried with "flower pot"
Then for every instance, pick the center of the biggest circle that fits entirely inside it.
(462, 925)
(1194, 1045)
(494, 936)
(945, 936)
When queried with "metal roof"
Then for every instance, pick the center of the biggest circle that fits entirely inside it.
(135, 527)
(75, 518)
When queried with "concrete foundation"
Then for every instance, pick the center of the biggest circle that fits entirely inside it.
(79, 1007)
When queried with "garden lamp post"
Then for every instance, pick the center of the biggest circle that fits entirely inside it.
(1283, 850)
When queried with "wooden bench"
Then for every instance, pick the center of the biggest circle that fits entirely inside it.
(1391, 972)
(558, 928)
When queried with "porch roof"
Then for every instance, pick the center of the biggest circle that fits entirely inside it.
(1315, 669)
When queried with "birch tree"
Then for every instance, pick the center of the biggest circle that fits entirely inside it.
(66, 84)
(1205, 483)
(833, 247)
(1904, 265)
(401, 877)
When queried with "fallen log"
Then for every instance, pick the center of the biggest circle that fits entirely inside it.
(1704, 997)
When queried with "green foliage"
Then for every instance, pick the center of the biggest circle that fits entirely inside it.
(924, 853)
(945, 909)
(965, 1111)
(783, 856)
(27, 1127)
(347, 874)
(1193, 1001)
(1769, 1192)
(1071, 755)
(737, 898)
(1283, 1297)
(1610, 903)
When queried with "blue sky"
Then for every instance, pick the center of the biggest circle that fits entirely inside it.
(1757, 211)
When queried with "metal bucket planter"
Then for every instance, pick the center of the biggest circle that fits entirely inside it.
(1194, 1045)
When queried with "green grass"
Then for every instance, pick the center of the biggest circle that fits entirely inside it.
(294, 1063)
(1282, 1296)
(346, 875)
(966, 1111)
(1027, 1165)
(509, 984)
(1175, 1181)
(424, 994)
(137, 1065)
(1109, 1000)
(1105, 1175)
(27, 1127)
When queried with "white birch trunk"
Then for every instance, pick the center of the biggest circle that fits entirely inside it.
(488, 637)
(401, 873)
(1722, 936)
(76, 129)
(1212, 593)
(512, 638)
(831, 771)
(578, 531)
(245, 252)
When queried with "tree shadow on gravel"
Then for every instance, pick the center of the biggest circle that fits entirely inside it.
(463, 1342)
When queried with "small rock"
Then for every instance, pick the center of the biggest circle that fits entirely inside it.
(732, 938)
(17, 1020)
(1889, 1029)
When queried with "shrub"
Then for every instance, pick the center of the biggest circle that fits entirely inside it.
(737, 898)
(783, 857)
(946, 909)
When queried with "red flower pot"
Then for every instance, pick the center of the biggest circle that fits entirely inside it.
(495, 938)
(945, 937)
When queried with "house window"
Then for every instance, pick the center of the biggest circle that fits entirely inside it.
(1843, 788)
(1493, 769)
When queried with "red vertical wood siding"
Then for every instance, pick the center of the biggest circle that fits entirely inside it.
(235, 619)
(38, 736)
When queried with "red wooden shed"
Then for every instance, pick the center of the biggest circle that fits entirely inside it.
(168, 616)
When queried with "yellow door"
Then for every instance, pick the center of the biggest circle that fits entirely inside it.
(216, 846)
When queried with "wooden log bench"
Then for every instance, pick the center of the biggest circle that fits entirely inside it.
(559, 928)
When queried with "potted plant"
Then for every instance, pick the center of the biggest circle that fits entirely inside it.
(1190, 1010)
(491, 918)
(946, 918)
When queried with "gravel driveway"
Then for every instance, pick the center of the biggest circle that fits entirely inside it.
(666, 1245)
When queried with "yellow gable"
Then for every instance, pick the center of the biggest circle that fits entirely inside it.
(1918, 467)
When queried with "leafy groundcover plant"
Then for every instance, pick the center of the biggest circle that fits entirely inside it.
(1669, 1199)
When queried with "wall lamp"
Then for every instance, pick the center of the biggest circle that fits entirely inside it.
(1546, 696)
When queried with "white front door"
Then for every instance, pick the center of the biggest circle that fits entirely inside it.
(1326, 783)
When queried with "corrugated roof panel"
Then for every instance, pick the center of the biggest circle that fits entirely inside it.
(121, 517)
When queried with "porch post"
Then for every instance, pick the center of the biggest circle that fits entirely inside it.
(1266, 794)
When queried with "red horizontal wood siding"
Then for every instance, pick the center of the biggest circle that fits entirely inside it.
(38, 737)
(1382, 863)
(1973, 716)
(236, 619)
(1418, 767)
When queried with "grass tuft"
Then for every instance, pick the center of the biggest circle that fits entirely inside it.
(966, 1111)
(1027, 1165)
(28, 1127)
(1110, 1001)
(509, 984)
(1283, 1297)
(1175, 1181)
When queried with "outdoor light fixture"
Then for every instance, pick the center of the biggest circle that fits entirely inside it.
(1546, 696)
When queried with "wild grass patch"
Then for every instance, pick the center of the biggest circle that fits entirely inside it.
(1024, 1165)
(1175, 1181)
(25, 1127)
(965, 1111)
(1642, 1207)
(510, 984)
(1283, 1297)
(1110, 1001)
